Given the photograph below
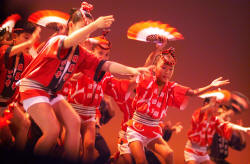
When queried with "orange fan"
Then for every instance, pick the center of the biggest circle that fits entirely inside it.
(152, 31)
(46, 17)
(10, 22)
(221, 95)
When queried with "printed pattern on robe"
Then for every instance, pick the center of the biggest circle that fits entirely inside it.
(50, 63)
(9, 74)
(118, 89)
(148, 102)
(202, 131)
(85, 95)
(150, 108)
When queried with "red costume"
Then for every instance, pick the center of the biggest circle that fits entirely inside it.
(9, 73)
(201, 135)
(203, 130)
(85, 96)
(151, 107)
(49, 71)
(118, 89)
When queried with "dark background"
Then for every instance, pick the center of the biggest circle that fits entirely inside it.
(216, 44)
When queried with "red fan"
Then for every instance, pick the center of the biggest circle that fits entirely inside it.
(151, 31)
(10, 22)
(46, 17)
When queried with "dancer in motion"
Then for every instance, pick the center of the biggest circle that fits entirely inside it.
(205, 124)
(14, 58)
(58, 60)
(154, 93)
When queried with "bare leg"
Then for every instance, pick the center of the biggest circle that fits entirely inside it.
(71, 121)
(44, 116)
(136, 148)
(161, 147)
(88, 133)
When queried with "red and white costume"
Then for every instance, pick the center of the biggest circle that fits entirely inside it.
(119, 90)
(201, 135)
(85, 96)
(47, 73)
(151, 107)
(9, 74)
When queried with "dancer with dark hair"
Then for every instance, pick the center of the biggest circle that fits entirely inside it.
(219, 148)
(154, 94)
(205, 124)
(58, 60)
(85, 95)
(14, 58)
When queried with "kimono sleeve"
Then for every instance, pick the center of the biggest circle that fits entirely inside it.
(179, 96)
(116, 88)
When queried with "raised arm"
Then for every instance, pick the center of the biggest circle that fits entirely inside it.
(83, 33)
(22, 46)
(215, 83)
(240, 128)
(154, 54)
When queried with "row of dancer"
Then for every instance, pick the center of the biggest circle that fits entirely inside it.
(62, 88)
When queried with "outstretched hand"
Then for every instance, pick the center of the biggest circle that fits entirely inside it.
(144, 70)
(104, 21)
(141, 70)
(219, 82)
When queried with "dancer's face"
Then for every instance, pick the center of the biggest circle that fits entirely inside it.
(164, 72)
(101, 53)
(23, 37)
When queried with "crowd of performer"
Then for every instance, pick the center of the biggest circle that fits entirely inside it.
(56, 95)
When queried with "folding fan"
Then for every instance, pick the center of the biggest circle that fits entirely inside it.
(46, 17)
(10, 22)
(153, 31)
(232, 100)
(219, 94)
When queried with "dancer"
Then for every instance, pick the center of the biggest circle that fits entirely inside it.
(218, 150)
(85, 95)
(154, 94)
(123, 92)
(57, 61)
(204, 125)
(13, 60)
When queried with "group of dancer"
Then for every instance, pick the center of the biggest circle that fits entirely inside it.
(71, 88)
